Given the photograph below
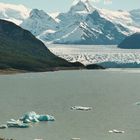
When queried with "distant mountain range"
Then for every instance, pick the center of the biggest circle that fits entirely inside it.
(82, 24)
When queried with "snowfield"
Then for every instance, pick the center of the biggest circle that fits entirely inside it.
(89, 54)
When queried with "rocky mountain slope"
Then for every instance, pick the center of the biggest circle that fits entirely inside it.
(131, 42)
(19, 49)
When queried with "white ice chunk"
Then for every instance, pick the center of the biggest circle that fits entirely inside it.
(116, 131)
(81, 108)
(3, 126)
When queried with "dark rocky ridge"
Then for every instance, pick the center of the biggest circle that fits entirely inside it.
(22, 51)
(131, 42)
(19, 49)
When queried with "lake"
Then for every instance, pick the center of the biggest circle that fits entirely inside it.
(111, 93)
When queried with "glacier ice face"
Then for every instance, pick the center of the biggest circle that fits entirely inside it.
(109, 56)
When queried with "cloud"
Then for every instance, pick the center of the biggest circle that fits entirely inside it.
(107, 1)
(104, 1)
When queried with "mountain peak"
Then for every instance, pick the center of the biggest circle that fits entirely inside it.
(82, 6)
(38, 13)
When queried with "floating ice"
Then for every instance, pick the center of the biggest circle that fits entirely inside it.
(81, 108)
(26, 120)
(30, 117)
(3, 126)
(75, 138)
(33, 117)
(137, 103)
(46, 118)
(115, 131)
(17, 124)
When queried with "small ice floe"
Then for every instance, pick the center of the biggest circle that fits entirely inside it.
(81, 108)
(27, 119)
(137, 103)
(116, 131)
(75, 138)
(3, 126)
(17, 124)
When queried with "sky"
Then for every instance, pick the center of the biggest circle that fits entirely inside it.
(64, 5)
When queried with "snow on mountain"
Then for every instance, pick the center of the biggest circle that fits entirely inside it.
(54, 16)
(100, 26)
(82, 24)
(81, 6)
(13, 13)
(121, 17)
(135, 15)
(86, 29)
(38, 22)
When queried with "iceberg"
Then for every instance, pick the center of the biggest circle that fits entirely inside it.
(46, 118)
(17, 124)
(115, 131)
(26, 120)
(75, 138)
(3, 126)
(33, 117)
(81, 108)
(30, 117)
(137, 103)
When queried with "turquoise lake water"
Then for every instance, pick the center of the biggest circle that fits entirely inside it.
(111, 93)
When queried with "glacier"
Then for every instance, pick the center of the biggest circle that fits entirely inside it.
(97, 54)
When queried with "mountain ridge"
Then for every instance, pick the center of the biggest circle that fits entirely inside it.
(20, 50)
(131, 42)
(50, 29)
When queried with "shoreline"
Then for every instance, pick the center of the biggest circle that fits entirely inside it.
(11, 71)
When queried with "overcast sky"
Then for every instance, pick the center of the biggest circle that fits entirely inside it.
(64, 5)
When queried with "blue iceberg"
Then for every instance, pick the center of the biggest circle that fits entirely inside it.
(17, 124)
(46, 118)
(26, 120)
(33, 117)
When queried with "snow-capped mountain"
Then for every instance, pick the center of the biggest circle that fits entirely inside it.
(135, 15)
(39, 22)
(82, 24)
(93, 30)
(82, 7)
(13, 13)
(86, 24)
